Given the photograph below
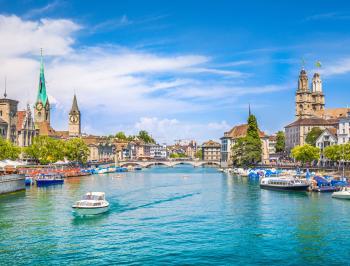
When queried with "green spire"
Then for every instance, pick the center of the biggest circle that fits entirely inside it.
(42, 96)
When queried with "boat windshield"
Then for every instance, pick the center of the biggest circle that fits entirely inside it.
(92, 197)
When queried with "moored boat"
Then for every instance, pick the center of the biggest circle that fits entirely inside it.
(342, 194)
(44, 180)
(284, 183)
(92, 203)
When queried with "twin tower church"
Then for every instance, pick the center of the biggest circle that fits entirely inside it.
(19, 126)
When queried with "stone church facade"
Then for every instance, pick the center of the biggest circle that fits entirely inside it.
(310, 111)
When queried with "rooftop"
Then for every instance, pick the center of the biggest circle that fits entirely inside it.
(240, 131)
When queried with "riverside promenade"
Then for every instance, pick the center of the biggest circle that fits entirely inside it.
(11, 183)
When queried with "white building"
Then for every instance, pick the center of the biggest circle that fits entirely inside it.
(158, 151)
(343, 131)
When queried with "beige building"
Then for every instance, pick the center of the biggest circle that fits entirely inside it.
(25, 128)
(74, 125)
(211, 151)
(229, 139)
(101, 148)
(297, 131)
(310, 111)
(307, 101)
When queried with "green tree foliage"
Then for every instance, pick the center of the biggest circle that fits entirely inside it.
(177, 155)
(143, 135)
(76, 150)
(337, 152)
(305, 153)
(8, 150)
(313, 135)
(199, 154)
(248, 150)
(280, 141)
(121, 135)
(46, 150)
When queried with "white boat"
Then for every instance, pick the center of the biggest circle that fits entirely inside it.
(284, 183)
(342, 194)
(91, 204)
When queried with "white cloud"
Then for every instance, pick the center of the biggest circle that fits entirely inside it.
(19, 37)
(167, 130)
(338, 67)
(114, 82)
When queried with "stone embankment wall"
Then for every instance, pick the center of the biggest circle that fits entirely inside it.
(11, 183)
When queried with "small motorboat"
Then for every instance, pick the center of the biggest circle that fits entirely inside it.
(92, 203)
(284, 183)
(29, 181)
(344, 193)
(44, 180)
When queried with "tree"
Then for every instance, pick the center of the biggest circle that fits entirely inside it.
(76, 150)
(280, 141)
(305, 153)
(333, 153)
(46, 150)
(199, 154)
(121, 135)
(8, 150)
(248, 150)
(143, 135)
(313, 135)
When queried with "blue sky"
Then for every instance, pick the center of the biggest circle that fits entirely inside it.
(179, 69)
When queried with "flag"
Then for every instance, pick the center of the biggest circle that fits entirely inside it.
(318, 64)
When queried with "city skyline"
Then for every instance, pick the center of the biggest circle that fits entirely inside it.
(166, 70)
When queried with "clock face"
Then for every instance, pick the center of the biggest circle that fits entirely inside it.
(39, 106)
(74, 119)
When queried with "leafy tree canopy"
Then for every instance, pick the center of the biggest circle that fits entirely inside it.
(305, 153)
(280, 141)
(143, 135)
(313, 135)
(8, 150)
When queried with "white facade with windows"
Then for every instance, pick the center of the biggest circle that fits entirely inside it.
(343, 131)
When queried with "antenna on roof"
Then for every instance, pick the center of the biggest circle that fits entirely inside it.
(5, 94)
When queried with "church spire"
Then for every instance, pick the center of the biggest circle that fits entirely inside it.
(5, 93)
(42, 96)
(75, 107)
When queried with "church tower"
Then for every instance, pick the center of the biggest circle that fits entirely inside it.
(74, 126)
(317, 94)
(42, 105)
(303, 97)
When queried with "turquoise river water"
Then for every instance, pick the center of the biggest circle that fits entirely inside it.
(174, 216)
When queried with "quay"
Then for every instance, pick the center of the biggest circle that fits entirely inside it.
(11, 183)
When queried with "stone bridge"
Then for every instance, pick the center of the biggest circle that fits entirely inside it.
(146, 164)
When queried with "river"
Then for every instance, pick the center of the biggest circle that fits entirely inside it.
(181, 215)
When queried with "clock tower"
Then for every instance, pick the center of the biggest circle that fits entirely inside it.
(74, 126)
(42, 105)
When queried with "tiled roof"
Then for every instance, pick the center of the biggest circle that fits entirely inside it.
(332, 113)
(62, 134)
(333, 131)
(314, 121)
(240, 131)
(20, 118)
(211, 143)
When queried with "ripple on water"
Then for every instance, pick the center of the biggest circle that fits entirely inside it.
(158, 217)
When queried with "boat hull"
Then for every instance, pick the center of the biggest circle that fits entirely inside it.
(341, 196)
(90, 211)
(45, 183)
(285, 188)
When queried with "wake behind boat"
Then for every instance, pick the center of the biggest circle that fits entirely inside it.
(284, 183)
(92, 203)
